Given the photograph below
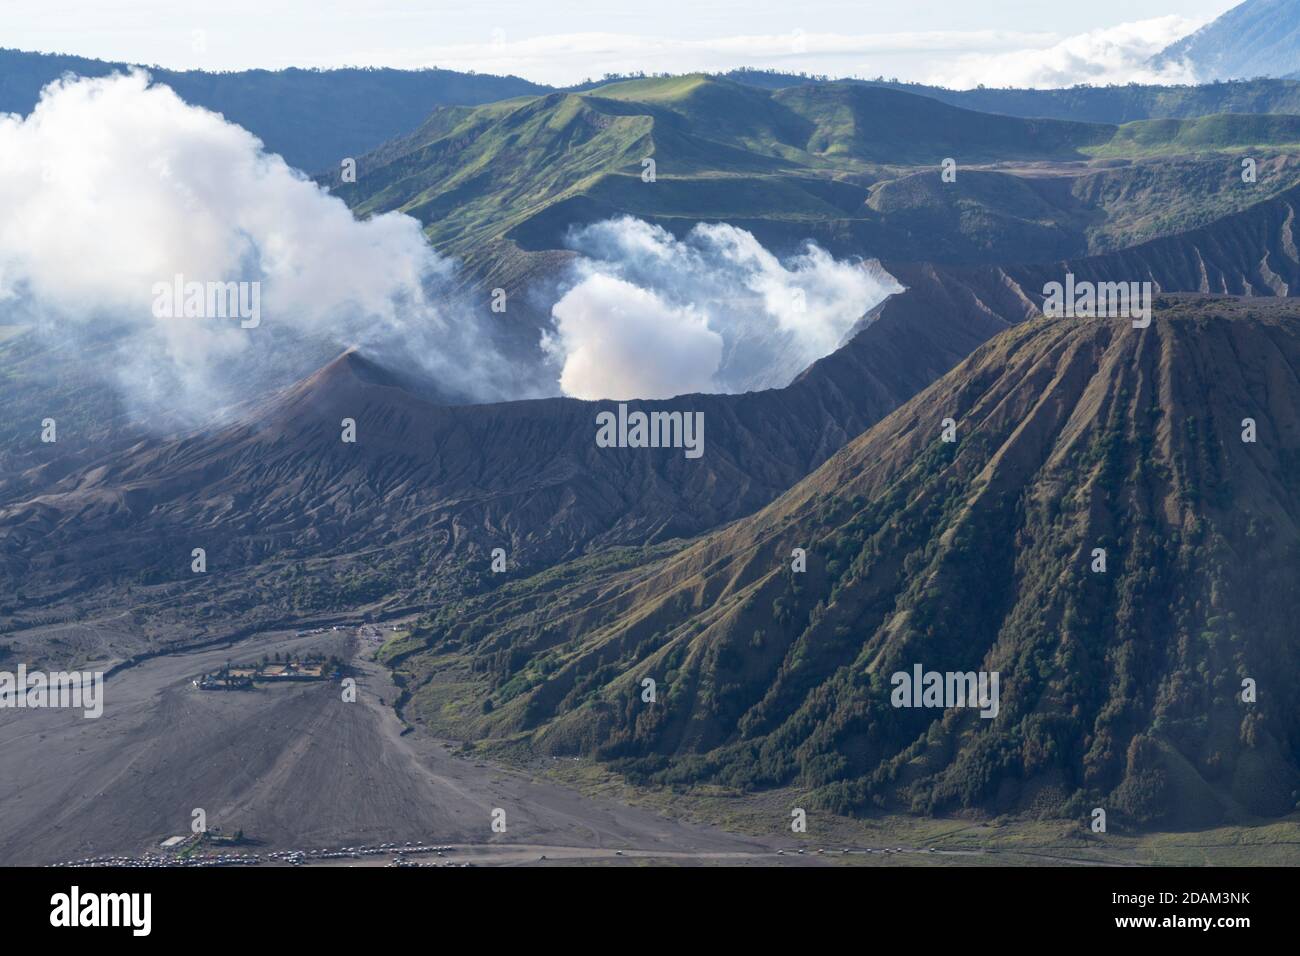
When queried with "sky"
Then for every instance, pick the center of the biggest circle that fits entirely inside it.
(952, 42)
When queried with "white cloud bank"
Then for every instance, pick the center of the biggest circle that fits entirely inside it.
(113, 185)
(955, 58)
(651, 316)
(1118, 54)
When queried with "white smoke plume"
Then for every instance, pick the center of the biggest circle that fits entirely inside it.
(647, 315)
(111, 186)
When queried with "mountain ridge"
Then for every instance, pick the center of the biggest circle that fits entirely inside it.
(1072, 435)
(313, 118)
(228, 483)
(1255, 38)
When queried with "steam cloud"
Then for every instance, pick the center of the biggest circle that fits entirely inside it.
(649, 316)
(113, 185)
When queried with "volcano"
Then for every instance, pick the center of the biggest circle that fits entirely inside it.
(1112, 529)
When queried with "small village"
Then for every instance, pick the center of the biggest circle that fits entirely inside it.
(270, 670)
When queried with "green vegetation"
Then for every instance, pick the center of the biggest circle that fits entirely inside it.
(1119, 689)
(1084, 102)
(854, 166)
(1228, 132)
(1004, 840)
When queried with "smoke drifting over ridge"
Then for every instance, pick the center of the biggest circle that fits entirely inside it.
(112, 186)
(647, 315)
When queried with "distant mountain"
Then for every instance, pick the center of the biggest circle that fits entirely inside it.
(780, 163)
(852, 166)
(1084, 103)
(313, 118)
(1256, 38)
(1120, 688)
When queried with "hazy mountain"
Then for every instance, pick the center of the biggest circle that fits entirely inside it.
(1084, 103)
(1256, 38)
(313, 118)
(1120, 688)
(1081, 103)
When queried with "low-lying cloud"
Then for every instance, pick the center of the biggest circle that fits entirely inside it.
(994, 57)
(1119, 54)
(647, 315)
(114, 185)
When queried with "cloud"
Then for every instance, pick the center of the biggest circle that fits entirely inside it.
(994, 57)
(1119, 54)
(646, 315)
(114, 185)
(620, 341)
(571, 57)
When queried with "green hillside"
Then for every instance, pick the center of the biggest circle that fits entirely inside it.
(876, 125)
(855, 167)
(1082, 103)
(1224, 132)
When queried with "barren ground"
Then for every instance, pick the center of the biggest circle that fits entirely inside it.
(292, 766)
